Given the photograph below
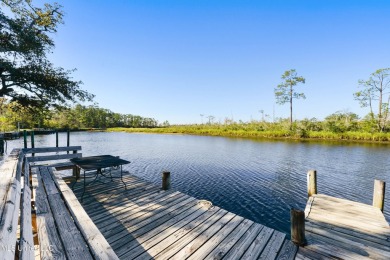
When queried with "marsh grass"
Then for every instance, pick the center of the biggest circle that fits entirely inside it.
(262, 130)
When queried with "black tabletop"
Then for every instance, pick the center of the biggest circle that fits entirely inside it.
(98, 162)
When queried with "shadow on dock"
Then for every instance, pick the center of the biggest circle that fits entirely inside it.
(145, 222)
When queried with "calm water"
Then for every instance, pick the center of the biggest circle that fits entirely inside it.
(259, 180)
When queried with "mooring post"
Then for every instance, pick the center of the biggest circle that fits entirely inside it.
(311, 183)
(32, 141)
(166, 180)
(68, 139)
(76, 172)
(25, 138)
(298, 227)
(56, 138)
(2, 144)
(378, 200)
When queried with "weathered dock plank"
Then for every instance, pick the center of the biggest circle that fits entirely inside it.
(49, 240)
(73, 242)
(342, 229)
(221, 250)
(197, 243)
(98, 245)
(258, 244)
(288, 251)
(133, 246)
(146, 222)
(26, 247)
(244, 242)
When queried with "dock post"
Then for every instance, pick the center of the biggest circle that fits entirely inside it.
(76, 172)
(25, 138)
(166, 180)
(378, 200)
(2, 144)
(311, 183)
(32, 141)
(68, 139)
(56, 138)
(298, 227)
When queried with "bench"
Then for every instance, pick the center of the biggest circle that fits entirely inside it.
(64, 230)
(55, 155)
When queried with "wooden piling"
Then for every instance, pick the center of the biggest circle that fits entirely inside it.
(298, 227)
(2, 144)
(68, 140)
(32, 141)
(311, 183)
(166, 180)
(25, 138)
(378, 200)
(76, 172)
(56, 138)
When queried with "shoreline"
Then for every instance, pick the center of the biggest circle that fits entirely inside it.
(348, 137)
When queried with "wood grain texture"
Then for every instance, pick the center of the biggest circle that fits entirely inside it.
(9, 204)
(51, 149)
(7, 172)
(343, 229)
(9, 221)
(95, 240)
(216, 239)
(50, 245)
(53, 157)
(139, 245)
(378, 199)
(287, 251)
(147, 223)
(26, 248)
(228, 243)
(74, 244)
(244, 242)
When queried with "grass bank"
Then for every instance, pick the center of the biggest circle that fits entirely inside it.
(248, 132)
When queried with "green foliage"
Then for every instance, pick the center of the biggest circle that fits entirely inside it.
(340, 122)
(376, 90)
(77, 117)
(285, 92)
(96, 117)
(26, 75)
(338, 126)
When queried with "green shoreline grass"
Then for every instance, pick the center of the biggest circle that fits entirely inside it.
(277, 134)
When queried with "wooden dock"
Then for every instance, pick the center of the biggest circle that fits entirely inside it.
(146, 222)
(41, 217)
(342, 229)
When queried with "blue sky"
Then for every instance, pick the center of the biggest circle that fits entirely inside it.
(175, 60)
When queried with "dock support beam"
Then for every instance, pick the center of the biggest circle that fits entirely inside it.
(378, 200)
(166, 180)
(32, 141)
(68, 140)
(2, 144)
(76, 172)
(298, 227)
(311, 183)
(56, 138)
(25, 138)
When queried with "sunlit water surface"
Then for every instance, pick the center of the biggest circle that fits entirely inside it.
(259, 180)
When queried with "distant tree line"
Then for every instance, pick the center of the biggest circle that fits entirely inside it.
(78, 117)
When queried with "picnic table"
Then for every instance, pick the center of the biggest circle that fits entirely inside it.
(96, 164)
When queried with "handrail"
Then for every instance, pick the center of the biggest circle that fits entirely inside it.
(51, 149)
